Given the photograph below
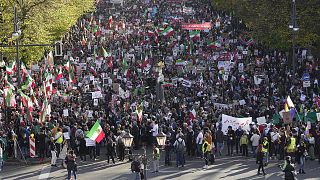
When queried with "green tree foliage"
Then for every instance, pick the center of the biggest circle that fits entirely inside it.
(269, 20)
(40, 21)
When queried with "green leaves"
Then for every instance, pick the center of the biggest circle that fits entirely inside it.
(41, 22)
(269, 20)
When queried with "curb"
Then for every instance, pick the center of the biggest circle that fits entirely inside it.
(23, 163)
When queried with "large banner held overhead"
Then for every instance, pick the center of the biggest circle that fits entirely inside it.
(235, 123)
(202, 26)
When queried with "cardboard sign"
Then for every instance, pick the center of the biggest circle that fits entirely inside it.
(235, 123)
(90, 142)
(286, 117)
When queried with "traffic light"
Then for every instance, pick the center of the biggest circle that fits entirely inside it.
(58, 51)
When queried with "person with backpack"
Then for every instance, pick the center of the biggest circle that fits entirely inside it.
(70, 160)
(121, 147)
(179, 146)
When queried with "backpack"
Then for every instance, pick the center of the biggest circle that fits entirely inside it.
(135, 166)
(179, 146)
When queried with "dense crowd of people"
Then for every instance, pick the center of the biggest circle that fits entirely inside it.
(136, 70)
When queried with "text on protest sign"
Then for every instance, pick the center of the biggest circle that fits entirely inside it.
(235, 123)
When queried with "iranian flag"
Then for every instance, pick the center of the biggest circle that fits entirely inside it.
(59, 75)
(193, 114)
(110, 22)
(67, 65)
(72, 77)
(24, 69)
(10, 69)
(105, 53)
(195, 35)
(96, 132)
(29, 83)
(211, 45)
(93, 71)
(110, 62)
(180, 62)
(140, 110)
(9, 97)
(125, 70)
(167, 32)
(43, 111)
(26, 101)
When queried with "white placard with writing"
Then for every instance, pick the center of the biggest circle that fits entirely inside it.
(65, 113)
(90, 142)
(235, 123)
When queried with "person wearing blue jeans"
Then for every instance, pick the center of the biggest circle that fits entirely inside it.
(220, 148)
(179, 146)
(179, 159)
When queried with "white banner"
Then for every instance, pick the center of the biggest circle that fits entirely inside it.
(235, 123)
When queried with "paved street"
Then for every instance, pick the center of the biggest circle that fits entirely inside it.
(225, 168)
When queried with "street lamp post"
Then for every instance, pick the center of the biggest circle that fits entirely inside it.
(16, 35)
(294, 27)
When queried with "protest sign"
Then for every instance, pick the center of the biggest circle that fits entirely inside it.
(90, 142)
(318, 116)
(202, 26)
(65, 113)
(95, 102)
(96, 94)
(286, 117)
(261, 120)
(235, 123)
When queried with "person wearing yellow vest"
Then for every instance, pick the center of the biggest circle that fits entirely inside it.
(291, 146)
(265, 150)
(58, 141)
(206, 148)
(244, 143)
(156, 158)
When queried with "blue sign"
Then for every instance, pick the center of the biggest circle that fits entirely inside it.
(306, 77)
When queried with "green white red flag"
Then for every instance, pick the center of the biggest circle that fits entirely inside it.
(167, 32)
(11, 68)
(96, 132)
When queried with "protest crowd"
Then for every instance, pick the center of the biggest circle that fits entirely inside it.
(143, 67)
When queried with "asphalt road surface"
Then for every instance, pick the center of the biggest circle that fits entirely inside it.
(226, 168)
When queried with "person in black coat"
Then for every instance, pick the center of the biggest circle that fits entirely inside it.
(230, 141)
(42, 145)
(71, 164)
(110, 149)
(288, 169)
(82, 149)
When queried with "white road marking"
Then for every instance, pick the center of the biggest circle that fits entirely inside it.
(45, 172)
